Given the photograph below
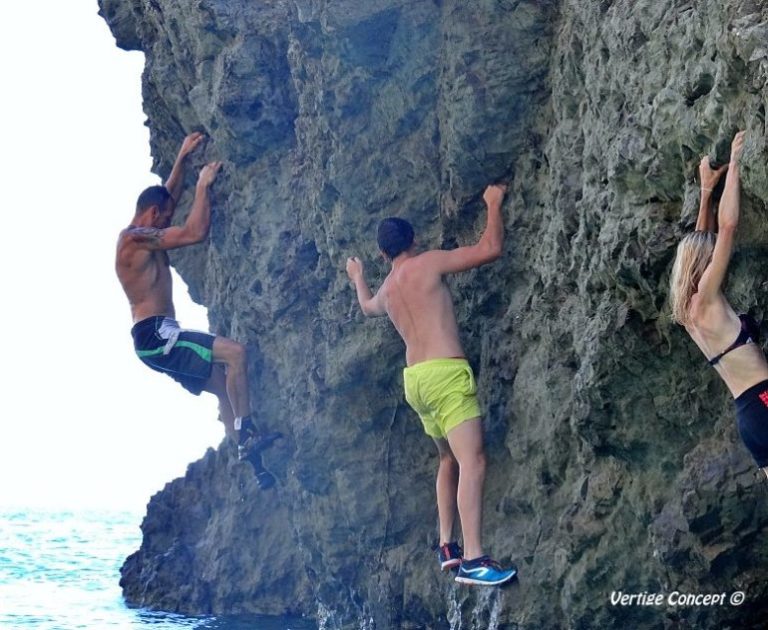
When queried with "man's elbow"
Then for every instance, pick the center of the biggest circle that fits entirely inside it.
(371, 310)
(493, 251)
(190, 239)
(194, 234)
(200, 236)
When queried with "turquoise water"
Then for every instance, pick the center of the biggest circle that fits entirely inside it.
(60, 571)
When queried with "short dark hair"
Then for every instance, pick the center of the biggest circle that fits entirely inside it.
(152, 196)
(395, 236)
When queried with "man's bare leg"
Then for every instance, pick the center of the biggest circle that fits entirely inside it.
(446, 487)
(466, 442)
(232, 355)
(217, 385)
(251, 436)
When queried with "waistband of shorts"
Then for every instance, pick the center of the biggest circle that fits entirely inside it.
(436, 363)
(750, 393)
(151, 322)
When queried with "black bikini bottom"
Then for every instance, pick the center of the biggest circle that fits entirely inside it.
(752, 420)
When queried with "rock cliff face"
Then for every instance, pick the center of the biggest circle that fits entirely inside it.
(614, 463)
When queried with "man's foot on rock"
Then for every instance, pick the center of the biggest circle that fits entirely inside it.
(264, 478)
(484, 571)
(257, 443)
(449, 555)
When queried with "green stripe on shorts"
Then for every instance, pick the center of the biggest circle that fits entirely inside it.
(204, 353)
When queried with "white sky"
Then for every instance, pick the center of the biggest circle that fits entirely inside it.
(82, 422)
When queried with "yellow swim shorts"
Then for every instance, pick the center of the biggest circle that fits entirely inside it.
(443, 393)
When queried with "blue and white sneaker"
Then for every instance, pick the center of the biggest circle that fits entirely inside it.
(484, 571)
(449, 555)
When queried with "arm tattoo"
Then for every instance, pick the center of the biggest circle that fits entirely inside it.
(150, 235)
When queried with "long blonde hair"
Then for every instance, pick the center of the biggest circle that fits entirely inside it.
(694, 253)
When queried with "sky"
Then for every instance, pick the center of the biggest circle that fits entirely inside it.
(83, 424)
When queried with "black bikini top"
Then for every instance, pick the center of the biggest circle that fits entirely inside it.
(749, 333)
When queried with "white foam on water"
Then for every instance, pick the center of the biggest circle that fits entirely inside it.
(484, 615)
(454, 610)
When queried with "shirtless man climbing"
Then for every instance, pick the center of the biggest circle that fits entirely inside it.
(439, 384)
(199, 361)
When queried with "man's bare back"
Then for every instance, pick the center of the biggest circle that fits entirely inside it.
(419, 304)
(145, 276)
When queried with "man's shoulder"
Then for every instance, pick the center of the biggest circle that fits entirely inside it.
(126, 238)
(141, 237)
(425, 256)
(428, 260)
(140, 230)
(123, 238)
(131, 245)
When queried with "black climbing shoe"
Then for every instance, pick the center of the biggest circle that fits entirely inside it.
(256, 443)
(264, 478)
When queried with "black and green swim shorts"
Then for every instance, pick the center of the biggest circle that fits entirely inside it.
(184, 355)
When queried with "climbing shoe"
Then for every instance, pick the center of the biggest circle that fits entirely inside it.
(449, 555)
(264, 478)
(255, 443)
(484, 571)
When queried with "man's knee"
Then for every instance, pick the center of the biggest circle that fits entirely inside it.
(447, 459)
(473, 463)
(230, 352)
(238, 354)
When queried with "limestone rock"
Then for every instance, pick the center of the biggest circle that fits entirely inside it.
(614, 462)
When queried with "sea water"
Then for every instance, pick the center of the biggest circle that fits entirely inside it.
(61, 570)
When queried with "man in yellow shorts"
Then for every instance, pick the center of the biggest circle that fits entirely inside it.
(439, 383)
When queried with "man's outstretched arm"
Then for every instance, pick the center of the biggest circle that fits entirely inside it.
(175, 180)
(369, 303)
(487, 249)
(194, 229)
